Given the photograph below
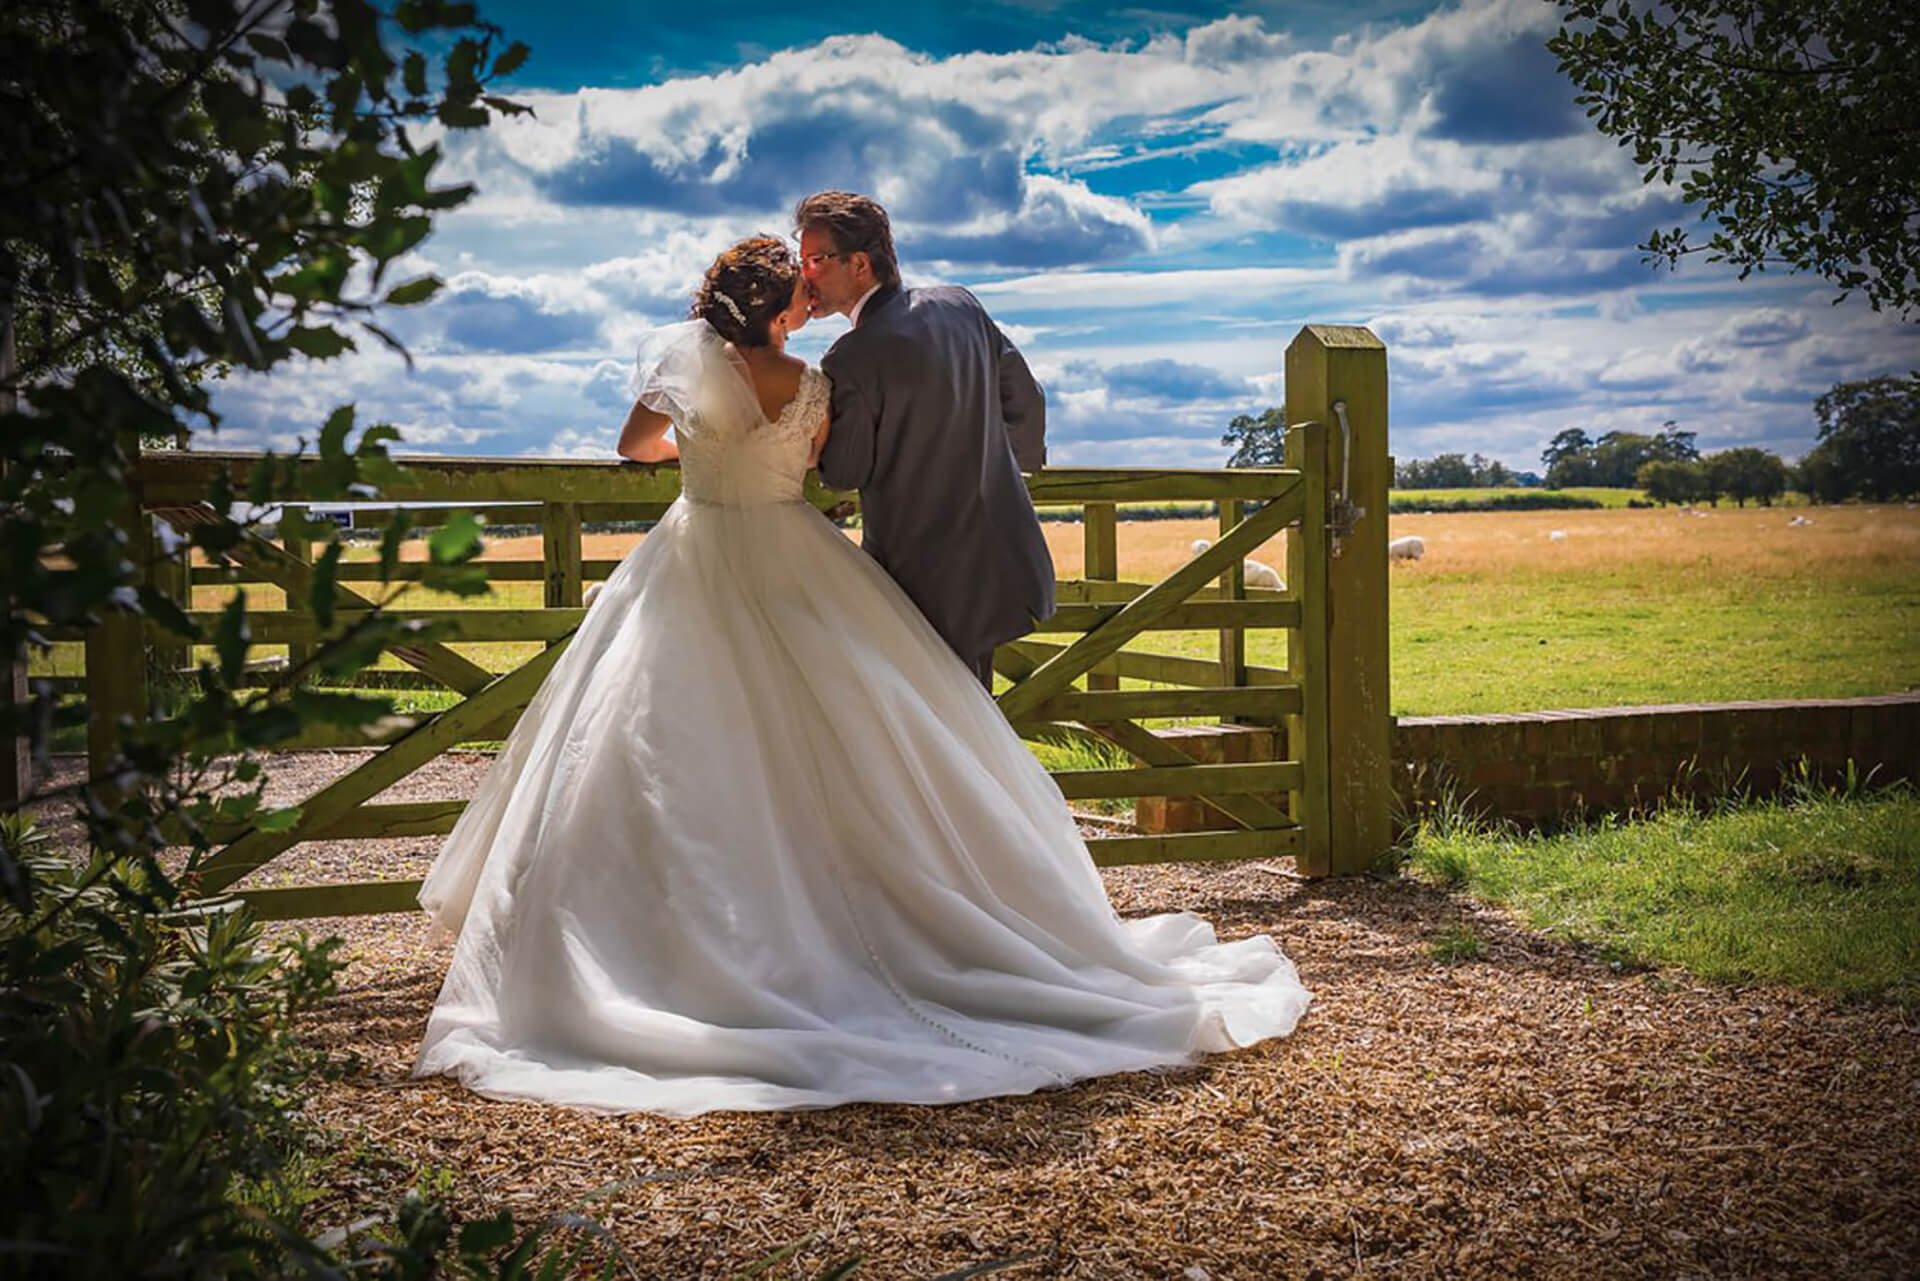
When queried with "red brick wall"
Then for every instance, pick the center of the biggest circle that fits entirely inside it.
(1547, 767)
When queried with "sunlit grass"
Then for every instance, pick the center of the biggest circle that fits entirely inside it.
(1631, 606)
(1818, 889)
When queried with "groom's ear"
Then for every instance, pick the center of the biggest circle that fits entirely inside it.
(862, 263)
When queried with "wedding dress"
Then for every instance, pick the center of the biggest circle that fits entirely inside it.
(761, 841)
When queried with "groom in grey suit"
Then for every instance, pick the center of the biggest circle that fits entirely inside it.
(935, 415)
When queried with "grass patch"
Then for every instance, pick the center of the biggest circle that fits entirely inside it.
(1818, 889)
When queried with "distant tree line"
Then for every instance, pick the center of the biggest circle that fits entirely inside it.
(1744, 475)
(1869, 444)
(1868, 448)
(1614, 460)
(1454, 471)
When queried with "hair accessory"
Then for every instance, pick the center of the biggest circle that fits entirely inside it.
(731, 306)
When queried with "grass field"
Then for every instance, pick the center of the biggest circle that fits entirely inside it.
(1816, 889)
(1631, 606)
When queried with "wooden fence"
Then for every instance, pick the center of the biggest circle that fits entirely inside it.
(1075, 678)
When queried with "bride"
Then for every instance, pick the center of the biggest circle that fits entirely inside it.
(761, 841)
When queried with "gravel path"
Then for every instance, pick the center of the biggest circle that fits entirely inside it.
(1530, 1113)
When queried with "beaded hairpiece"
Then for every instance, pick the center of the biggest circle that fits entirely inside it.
(731, 306)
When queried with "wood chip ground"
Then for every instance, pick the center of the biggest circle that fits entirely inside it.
(1531, 1113)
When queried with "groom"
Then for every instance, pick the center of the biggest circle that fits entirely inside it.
(935, 415)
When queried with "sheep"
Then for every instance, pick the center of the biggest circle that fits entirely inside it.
(1261, 574)
(1256, 572)
(1412, 547)
(1557, 536)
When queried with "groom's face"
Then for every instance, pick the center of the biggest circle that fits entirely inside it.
(834, 280)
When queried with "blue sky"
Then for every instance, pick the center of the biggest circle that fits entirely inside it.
(1152, 201)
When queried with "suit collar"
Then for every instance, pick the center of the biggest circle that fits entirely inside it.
(878, 299)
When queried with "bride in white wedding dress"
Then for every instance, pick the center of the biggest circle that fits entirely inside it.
(761, 841)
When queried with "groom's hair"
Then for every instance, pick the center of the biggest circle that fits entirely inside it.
(856, 224)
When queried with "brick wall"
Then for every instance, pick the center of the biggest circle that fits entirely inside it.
(1545, 768)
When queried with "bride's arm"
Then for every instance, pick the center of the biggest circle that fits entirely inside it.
(820, 439)
(644, 439)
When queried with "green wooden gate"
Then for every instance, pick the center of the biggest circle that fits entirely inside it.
(1332, 610)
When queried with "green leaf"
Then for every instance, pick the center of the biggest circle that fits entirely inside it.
(321, 593)
(270, 47)
(231, 638)
(512, 60)
(457, 580)
(414, 291)
(280, 820)
(260, 482)
(163, 610)
(270, 724)
(483, 1235)
(333, 436)
(391, 540)
(322, 342)
(415, 74)
(456, 541)
(463, 115)
(333, 708)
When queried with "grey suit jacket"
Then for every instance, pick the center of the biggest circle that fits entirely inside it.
(935, 414)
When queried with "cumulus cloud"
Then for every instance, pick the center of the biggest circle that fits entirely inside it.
(479, 312)
(1151, 220)
(1766, 327)
(1164, 381)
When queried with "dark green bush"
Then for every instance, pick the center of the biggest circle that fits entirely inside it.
(1500, 500)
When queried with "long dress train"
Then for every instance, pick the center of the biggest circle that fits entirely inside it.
(761, 841)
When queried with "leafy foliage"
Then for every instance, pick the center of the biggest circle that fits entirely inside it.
(1614, 460)
(1453, 471)
(1746, 474)
(1257, 442)
(1869, 445)
(1669, 480)
(1790, 124)
(191, 186)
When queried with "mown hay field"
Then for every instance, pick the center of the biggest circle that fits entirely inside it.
(1632, 606)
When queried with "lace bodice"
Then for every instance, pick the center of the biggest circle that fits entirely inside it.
(730, 463)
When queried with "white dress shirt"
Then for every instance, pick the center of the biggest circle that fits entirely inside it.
(853, 317)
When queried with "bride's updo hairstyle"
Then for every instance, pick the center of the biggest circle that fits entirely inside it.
(746, 287)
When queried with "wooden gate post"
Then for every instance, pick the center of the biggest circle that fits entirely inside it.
(1100, 528)
(117, 644)
(16, 763)
(1337, 375)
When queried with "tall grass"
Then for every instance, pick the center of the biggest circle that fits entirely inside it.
(1817, 889)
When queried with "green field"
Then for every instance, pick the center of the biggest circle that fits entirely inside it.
(1629, 607)
(1815, 889)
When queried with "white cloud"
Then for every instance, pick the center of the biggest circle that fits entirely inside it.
(1431, 175)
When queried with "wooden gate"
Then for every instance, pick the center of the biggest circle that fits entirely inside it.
(1089, 686)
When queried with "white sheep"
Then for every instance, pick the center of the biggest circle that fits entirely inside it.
(1557, 536)
(1412, 547)
(1257, 573)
